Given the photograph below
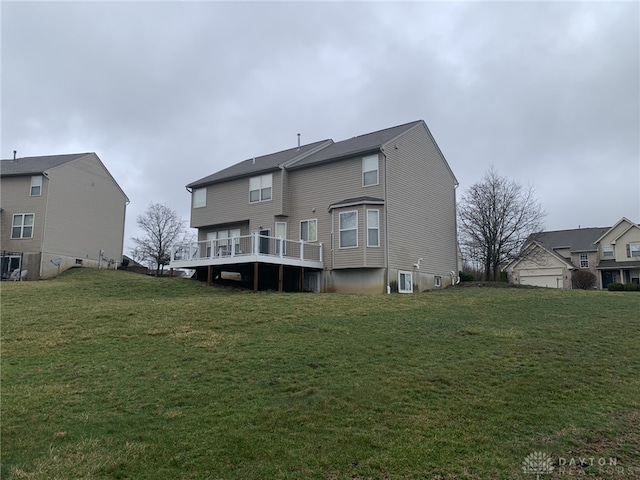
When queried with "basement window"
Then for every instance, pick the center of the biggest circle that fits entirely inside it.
(437, 281)
(405, 282)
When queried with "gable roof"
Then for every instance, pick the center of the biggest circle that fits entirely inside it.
(257, 165)
(35, 165)
(369, 142)
(527, 252)
(623, 219)
(577, 240)
(306, 155)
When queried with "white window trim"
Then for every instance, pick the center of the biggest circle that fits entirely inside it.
(200, 197)
(340, 229)
(609, 248)
(38, 184)
(22, 225)
(314, 220)
(437, 281)
(584, 260)
(634, 247)
(377, 170)
(377, 229)
(261, 179)
(410, 274)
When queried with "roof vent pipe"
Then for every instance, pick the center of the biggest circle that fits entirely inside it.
(298, 141)
(254, 160)
(14, 154)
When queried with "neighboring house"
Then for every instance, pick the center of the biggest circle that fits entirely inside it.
(57, 212)
(374, 213)
(549, 259)
(619, 254)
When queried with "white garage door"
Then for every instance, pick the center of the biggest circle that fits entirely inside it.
(549, 281)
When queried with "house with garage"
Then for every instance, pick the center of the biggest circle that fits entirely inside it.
(549, 259)
(57, 212)
(374, 213)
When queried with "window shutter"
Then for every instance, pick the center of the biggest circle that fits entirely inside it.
(628, 250)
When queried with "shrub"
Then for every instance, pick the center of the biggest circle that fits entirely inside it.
(583, 279)
(467, 277)
(615, 287)
(631, 287)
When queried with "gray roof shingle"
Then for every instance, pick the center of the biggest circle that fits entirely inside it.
(356, 145)
(313, 153)
(578, 240)
(257, 165)
(35, 165)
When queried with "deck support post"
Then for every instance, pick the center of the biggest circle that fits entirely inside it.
(301, 279)
(210, 275)
(280, 276)
(255, 277)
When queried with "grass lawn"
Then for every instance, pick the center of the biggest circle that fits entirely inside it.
(112, 375)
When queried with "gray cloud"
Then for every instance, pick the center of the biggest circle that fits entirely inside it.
(167, 93)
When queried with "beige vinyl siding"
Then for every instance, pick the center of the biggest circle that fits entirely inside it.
(228, 202)
(421, 205)
(85, 211)
(314, 189)
(620, 250)
(15, 199)
(622, 235)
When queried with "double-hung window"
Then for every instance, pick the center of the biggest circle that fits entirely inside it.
(633, 250)
(348, 229)
(22, 225)
(607, 250)
(36, 186)
(309, 230)
(584, 260)
(370, 170)
(200, 197)
(260, 188)
(373, 228)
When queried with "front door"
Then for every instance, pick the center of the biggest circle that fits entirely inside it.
(608, 276)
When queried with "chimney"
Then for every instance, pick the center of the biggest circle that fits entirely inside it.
(298, 141)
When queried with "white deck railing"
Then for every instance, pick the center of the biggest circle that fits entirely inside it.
(242, 247)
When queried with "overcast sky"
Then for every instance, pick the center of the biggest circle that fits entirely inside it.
(166, 93)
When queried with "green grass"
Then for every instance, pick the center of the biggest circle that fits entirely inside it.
(111, 375)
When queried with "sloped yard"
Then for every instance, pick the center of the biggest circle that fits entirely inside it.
(114, 375)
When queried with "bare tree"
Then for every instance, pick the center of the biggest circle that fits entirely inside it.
(495, 218)
(162, 228)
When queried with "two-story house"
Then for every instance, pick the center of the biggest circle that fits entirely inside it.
(619, 254)
(373, 213)
(59, 211)
(549, 259)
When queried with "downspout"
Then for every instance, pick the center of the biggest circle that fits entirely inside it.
(386, 222)
(456, 243)
(282, 185)
(44, 223)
